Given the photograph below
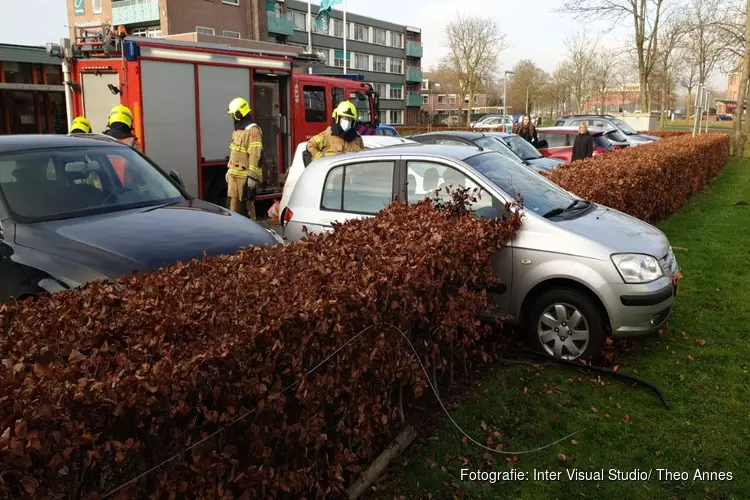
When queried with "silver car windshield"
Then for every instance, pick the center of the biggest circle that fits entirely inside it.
(55, 184)
(539, 195)
(522, 147)
(624, 127)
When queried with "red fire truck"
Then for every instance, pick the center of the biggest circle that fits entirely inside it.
(179, 92)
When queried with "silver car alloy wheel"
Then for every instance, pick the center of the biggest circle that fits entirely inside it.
(563, 331)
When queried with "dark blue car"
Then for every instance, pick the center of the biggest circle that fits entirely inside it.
(76, 209)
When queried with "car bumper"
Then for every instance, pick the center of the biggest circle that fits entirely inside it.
(642, 309)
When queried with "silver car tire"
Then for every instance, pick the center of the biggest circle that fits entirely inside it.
(566, 323)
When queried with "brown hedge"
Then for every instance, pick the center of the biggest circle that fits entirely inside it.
(101, 383)
(648, 182)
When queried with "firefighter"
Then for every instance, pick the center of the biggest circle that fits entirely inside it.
(120, 126)
(244, 174)
(80, 125)
(340, 137)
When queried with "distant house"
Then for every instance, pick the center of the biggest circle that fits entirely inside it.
(440, 100)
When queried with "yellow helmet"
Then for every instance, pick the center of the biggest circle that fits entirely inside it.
(238, 108)
(80, 126)
(121, 114)
(346, 109)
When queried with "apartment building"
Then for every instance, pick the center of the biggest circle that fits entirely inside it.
(240, 19)
(32, 96)
(388, 55)
(441, 100)
(618, 99)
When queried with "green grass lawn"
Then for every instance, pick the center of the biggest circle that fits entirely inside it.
(682, 124)
(700, 363)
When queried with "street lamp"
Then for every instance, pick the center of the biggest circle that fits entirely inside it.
(505, 91)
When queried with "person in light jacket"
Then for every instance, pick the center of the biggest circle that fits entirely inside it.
(583, 147)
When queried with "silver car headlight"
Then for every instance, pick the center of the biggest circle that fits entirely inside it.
(637, 268)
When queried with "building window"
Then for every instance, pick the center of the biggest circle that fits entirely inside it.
(338, 28)
(54, 74)
(476, 99)
(452, 99)
(231, 34)
(425, 85)
(380, 88)
(322, 52)
(397, 40)
(425, 99)
(96, 6)
(361, 61)
(300, 20)
(154, 32)
(378, 36)
(397, 66)
(396, 92)
(231, 2)
(338, 58)
(18, 72)
(396, 117)
(315, 104)
(358, 32)
(378, 64)
(441, 99)
(205, 31)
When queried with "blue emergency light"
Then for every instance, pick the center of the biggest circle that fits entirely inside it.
(359, 78)
(130, 50)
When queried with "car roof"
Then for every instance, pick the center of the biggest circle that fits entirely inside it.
(452, 133)
(413, 149)
(587, 116)
(13, 143)
(570, 130)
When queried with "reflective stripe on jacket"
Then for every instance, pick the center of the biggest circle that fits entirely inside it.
(245, 152)
(327, 144)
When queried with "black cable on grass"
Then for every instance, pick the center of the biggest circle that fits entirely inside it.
(630, 380)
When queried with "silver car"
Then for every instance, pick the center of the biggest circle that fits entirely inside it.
(575, 272)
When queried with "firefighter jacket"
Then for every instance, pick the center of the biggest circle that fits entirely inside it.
(245, 151)
(333, 141)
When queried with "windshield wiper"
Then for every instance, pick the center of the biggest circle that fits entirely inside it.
(576, 202)
(554, 212)
(559, 211)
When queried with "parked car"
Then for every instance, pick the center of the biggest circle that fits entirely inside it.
(558, 142)
(492, 141)
(605, 121)
(575, 272)
(451, 121)
(386, 130)
(496, 123)
(528, 153)
(76, 209)
(298, 165)
(484, 119)
(724, 118)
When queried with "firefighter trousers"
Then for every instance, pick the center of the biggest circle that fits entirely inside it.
(239, 206)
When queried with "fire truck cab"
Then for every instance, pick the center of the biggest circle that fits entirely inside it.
(179, 93)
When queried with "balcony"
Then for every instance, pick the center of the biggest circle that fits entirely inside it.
(134, 11)
(413, 74)
(413, 49)
(280, 24)
(413, 99)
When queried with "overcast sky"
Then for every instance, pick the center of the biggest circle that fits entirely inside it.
(533, 28)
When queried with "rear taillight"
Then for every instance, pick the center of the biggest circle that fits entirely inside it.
(286, 216)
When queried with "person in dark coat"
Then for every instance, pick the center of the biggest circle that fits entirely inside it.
(583, 147)
(527, 130)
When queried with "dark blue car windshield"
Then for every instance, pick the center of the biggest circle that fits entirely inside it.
(51, 184)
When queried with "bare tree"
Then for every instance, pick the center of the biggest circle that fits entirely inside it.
(687, 76)
(740, 136)
(645, 16)
(474, 44)
(603, 77)
(579, 65)
(672, 33)
(525, 85)
(624, 76)
(704, 38)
